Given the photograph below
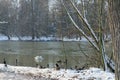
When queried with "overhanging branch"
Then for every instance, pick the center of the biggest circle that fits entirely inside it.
(80, 30)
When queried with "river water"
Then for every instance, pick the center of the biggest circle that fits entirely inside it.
(24, 52)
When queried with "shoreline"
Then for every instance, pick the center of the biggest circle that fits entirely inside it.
(62, 74)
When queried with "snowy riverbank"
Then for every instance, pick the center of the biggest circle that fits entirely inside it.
(50, 73)
(43, 38)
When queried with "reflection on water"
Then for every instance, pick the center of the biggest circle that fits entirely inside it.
(24, 52)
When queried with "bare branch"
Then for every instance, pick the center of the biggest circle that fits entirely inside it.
(80, 30)
(85, 22)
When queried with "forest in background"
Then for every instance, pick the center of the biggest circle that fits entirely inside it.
(38, 18)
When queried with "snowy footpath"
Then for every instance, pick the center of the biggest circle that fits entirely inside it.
(31, 73)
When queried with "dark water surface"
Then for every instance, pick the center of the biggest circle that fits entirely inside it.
(24, 52)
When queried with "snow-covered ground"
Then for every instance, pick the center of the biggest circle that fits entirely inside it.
(50, 38)
(51, 73)
(25, 38)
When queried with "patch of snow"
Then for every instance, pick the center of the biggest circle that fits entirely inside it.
(3, 22)
(2, 37)
(46, 38)
(14, 38)
(76, 39)
(26, 38)
(88, 74)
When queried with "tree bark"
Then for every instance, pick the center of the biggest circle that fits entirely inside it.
(114, 23)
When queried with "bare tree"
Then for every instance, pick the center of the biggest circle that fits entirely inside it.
(98, 43)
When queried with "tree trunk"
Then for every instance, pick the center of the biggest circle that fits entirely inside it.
(114, 23)
(32, 21)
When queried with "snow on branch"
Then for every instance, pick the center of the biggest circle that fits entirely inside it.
(84, 20)
(80, 30)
